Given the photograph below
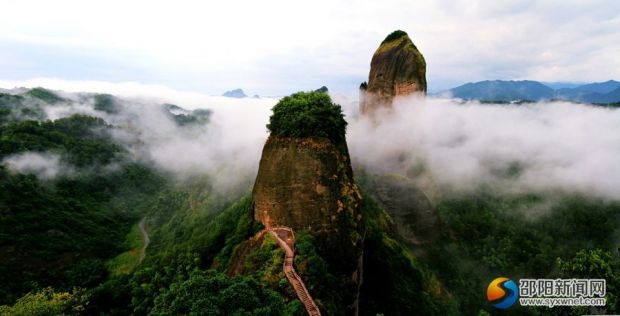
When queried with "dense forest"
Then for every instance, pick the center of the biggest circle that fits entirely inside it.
(70, 238)
(492, 234)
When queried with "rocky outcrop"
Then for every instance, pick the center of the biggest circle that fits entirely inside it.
(413, 211)
(397, 69)
(322, 89)
(307, 184)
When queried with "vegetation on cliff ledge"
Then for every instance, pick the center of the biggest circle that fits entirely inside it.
(394, 36)
(308, 114)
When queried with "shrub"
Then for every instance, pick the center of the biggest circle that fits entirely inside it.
(308, 114)
(46, 302)
(214, 293)
(394, 36)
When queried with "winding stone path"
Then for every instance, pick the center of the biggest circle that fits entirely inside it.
(145, 238)
(286, 240)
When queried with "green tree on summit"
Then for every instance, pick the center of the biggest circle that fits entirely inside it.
(308, 114)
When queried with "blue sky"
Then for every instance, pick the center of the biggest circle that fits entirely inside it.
(278, 47)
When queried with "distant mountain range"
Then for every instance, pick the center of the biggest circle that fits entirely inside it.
(527, 90)
(240, 94)
(237, 93)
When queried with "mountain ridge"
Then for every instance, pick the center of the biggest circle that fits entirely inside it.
(530, 90)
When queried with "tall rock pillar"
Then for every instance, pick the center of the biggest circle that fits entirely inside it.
(397, 69)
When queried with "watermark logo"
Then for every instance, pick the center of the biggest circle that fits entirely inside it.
(502, 292)
(562, 292)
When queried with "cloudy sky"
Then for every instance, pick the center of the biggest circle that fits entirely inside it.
(277, 47)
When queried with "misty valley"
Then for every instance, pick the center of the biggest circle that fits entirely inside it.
(313, 203)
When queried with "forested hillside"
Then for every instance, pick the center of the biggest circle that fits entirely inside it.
(76, 180)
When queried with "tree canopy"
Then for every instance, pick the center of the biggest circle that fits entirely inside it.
(308, 114)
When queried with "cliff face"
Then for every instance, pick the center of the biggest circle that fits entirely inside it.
(307, 184)
(415, 218)
(397, 69)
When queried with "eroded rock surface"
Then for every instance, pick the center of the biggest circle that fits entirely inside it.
(397, 69)
(307, 184)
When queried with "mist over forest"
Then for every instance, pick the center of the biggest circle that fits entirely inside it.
(520, 171)
(542, 146)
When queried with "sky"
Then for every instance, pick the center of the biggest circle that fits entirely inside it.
(273, 47)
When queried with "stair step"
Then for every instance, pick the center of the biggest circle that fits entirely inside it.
(282, 233)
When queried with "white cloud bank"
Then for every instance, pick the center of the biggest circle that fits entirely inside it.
(541, 146)
(530, 147)
(227, 149)
(138, 91)
(45, 166)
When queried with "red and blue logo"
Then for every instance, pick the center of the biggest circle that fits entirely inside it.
(502, 292)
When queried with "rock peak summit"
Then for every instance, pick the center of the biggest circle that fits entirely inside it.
(397, 69)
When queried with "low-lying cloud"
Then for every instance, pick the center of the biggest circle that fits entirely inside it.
(528, 147)
(517, 148)
(227, 148)
(45, 166)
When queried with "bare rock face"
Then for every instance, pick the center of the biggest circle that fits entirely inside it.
(397, 69)
(307, 184)
(414, 214)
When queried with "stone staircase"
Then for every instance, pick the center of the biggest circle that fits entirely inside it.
(286, 240)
